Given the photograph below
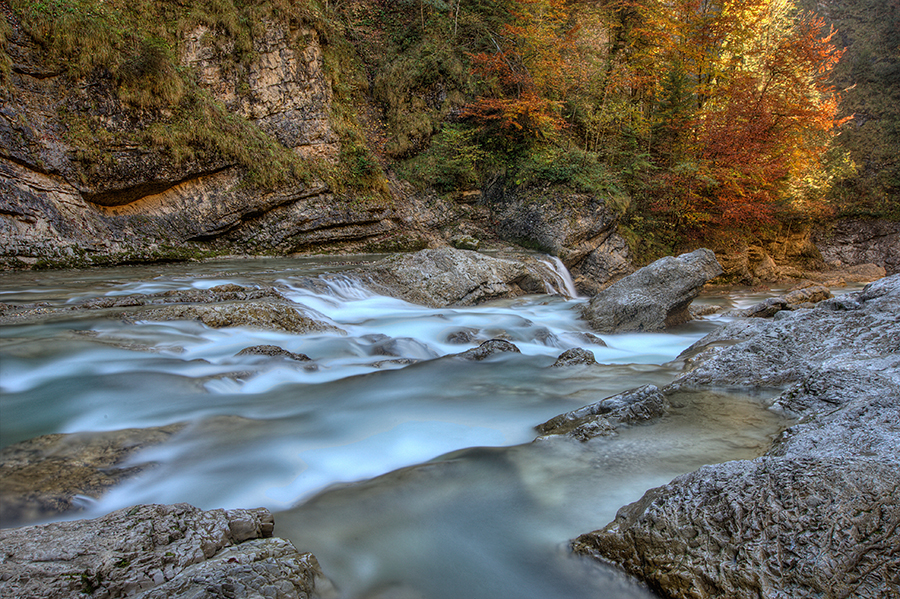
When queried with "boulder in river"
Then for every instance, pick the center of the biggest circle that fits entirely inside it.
(448, 276)
(487, 349)
(156, 552)
(655, 297)
(268, 315)
(818, 515)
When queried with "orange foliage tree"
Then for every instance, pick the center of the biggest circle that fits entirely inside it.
(524, 74)
(743, 111)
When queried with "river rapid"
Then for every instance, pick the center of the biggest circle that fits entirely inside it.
(407, 472)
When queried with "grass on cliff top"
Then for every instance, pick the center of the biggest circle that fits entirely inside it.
(136, 45)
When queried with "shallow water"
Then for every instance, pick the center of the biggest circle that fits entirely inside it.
(408, 472)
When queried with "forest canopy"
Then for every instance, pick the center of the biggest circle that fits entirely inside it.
(709, 117)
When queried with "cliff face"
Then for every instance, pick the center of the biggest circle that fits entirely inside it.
(84, 174)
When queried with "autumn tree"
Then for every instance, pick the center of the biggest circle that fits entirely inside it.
(742, 112)
(523, 72)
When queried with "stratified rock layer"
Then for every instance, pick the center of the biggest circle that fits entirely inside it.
(655, 297)
(155, 551)
(819, 514)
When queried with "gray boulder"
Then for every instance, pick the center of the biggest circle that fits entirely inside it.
(448, 276)
(653, 298)
(487, 349)
(575, 357)
(155, 551)
(818, 515)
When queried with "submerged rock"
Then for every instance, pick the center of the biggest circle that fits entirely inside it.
(653, 298)
(273, 351)
(603, 417)
(55, 474)
(818, 515)
(156, 552)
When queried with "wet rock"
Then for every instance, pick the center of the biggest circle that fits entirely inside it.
(589, 338)
(447, 276)
(55, 474)
(273, 351)
(488, 349)
(603, 417)
(462, 336)
(818, 515)
(653, 298)
(156, 551)
(787, 350)
(575, 357)
(273, 316)
(802, 297)
(465, 242)
(766, 528)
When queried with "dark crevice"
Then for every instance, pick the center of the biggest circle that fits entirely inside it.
(130, 195)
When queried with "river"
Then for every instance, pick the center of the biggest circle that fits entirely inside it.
(407, 472)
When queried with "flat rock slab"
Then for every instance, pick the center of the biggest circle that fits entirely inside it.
(155, 551)
(653, 298)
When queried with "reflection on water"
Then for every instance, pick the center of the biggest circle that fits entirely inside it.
(412, 472)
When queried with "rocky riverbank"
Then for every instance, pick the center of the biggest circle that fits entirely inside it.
(818, 514)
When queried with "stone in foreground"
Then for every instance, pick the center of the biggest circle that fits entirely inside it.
(655, 297)
(156, 551)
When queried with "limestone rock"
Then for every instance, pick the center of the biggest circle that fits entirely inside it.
(770, 528)
(574, 357)
(578, 228)
(447, 276)
(653, 298)
(855, 242)
(789, 349)
(47, 475)
(488, 349)
(602, 418)
(802, 297)
(274, 316)
(155, 551)
(818, 515)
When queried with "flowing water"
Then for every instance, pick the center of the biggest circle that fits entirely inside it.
(408, 472)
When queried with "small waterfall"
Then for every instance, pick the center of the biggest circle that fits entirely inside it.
(564, 285)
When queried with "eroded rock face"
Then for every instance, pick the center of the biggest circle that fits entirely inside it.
(818, 514)
(578, 228)
(859, 241)
(653, 298)
(448, 276)
(134, 200)
(155, 551)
